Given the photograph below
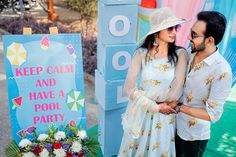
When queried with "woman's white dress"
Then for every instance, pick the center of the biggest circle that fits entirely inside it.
(156, 137)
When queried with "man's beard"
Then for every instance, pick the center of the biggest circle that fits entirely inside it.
(201, 47)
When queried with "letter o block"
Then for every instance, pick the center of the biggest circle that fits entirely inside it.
(125, 28)
(117, 24)
(115, 2)
(114, 60)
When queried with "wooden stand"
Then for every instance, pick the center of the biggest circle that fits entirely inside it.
(53, 30)
(28, 30)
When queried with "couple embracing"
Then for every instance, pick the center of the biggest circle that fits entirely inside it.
(175, 94)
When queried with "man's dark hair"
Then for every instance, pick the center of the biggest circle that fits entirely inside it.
(215, 24)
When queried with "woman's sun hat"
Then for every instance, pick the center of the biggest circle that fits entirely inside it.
(161, 19)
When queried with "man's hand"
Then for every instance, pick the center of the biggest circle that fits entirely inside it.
(195, 112)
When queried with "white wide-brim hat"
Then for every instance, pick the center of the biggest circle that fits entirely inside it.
(161, 19)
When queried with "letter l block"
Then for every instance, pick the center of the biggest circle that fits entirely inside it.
(111, 130)
(109, 94)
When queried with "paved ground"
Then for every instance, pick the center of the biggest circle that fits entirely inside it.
(65, 15)
(5, 126)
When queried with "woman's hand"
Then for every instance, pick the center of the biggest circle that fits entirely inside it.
(163, 108)
(166, 109)
(172, 104)
(155, 108)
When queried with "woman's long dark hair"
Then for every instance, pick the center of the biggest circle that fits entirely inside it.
(172, 55)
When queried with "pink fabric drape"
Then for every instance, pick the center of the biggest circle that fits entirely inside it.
(187, 9)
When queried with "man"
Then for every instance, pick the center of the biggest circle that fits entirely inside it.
(208, 84)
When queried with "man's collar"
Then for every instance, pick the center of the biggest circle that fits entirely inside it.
(209, 60)
(212, 58)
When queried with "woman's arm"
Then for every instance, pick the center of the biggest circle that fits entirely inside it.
(176, 87)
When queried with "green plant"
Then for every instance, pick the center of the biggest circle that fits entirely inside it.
(86, 8)
(69, 142)
(15, 25)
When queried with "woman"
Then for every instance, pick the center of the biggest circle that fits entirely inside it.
(149, 125)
